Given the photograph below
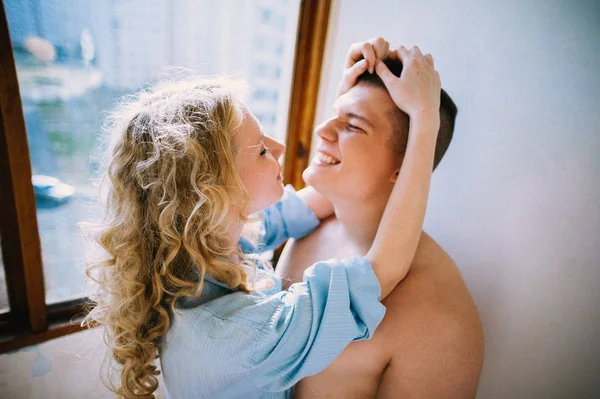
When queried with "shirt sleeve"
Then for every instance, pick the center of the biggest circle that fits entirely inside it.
(290, 217)
(337, 302)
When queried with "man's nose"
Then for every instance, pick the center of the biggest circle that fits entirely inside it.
(327, 131)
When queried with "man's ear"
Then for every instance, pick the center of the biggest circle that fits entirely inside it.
(394, 176)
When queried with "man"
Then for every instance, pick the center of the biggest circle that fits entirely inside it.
(430, 342)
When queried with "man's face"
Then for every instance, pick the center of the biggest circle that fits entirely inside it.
(354, 156)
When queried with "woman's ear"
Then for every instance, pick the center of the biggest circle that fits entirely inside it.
(394, 176)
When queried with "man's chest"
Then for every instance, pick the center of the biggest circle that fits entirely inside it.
(328, 241)
(356, 372)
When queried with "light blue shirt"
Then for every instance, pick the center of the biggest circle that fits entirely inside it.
(231, 344)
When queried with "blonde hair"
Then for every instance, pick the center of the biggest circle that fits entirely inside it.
(169, 187)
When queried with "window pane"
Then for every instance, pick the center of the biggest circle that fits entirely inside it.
(74, 58)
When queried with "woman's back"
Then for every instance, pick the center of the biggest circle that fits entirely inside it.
(228, 344)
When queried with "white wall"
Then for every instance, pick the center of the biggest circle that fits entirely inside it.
(516, 200)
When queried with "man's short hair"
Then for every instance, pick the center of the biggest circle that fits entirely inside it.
(400, 120)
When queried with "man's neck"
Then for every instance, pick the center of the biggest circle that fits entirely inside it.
(359, 220)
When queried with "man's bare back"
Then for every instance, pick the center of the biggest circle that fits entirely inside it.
(429, 344)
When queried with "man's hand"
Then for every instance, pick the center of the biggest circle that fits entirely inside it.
(417, 90)
(362, 57)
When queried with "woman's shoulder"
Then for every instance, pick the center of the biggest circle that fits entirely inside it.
(218, 303)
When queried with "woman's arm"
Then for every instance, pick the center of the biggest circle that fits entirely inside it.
(417, 93)
(311, 323)
(362, 57)
(317, 203)
(290, 217)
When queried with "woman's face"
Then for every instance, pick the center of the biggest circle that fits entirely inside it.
(258, 165)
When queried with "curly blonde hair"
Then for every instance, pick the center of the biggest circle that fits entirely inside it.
(169, 187)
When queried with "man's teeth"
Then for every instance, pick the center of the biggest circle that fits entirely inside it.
(327, 159)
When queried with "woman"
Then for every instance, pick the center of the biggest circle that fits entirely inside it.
(188, 166)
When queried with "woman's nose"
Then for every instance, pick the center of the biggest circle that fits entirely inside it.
(327, 131)
(275, 147)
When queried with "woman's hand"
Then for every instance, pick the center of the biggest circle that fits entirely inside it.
(417, 90)
(362, 57)
(321, 206)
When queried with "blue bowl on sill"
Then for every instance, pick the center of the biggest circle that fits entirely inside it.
(51, 190)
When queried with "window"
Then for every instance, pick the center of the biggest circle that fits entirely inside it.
(72, 60)
(265, 15)
(69, 72)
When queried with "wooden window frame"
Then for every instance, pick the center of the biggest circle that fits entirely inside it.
(308, 59)
(30, 320)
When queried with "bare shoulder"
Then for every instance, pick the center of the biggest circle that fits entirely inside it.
(299, 254)
(438, 337)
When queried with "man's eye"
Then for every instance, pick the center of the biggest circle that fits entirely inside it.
(264, 151)
(354, 127)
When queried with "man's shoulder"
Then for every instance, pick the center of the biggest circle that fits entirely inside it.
(434, 292)
(438, 329)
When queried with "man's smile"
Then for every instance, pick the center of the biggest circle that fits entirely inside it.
(325, 158)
